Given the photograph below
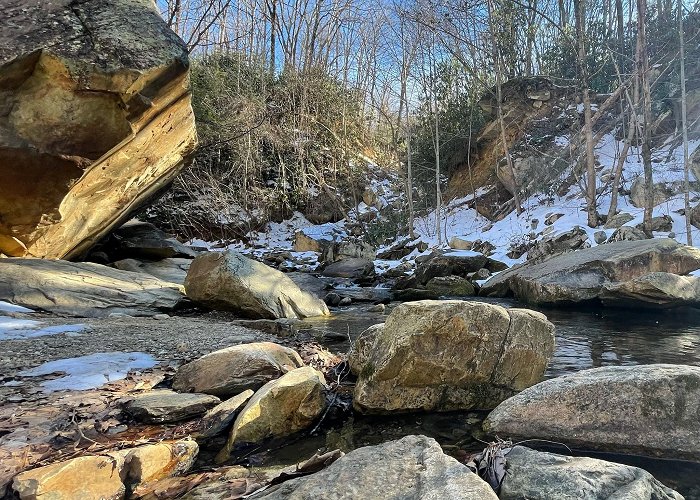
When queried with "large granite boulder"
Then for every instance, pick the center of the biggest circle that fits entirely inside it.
(227, 372)
(581, 276)
(449, 355)
(280, 408)
(95, 119)
(84, 289)
(411, 468)
(231, 282)
(544, 476)
(648, 409)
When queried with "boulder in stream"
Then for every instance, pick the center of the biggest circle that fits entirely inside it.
(411, 468)
(449, 355)
(95, 120)
(647, 409)
(231, 282)
(544, 476)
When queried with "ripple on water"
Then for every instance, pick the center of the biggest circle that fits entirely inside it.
(90, 372)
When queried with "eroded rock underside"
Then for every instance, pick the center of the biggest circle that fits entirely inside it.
(95, 119)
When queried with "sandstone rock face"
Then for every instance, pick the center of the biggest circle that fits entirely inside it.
(648, 409)
(106, 476)
(153, 462)
(84, 289)
(544, 476)
(164, 406)
(411, 468)
(227, 372)
(582, 275)
(280, 408)
(229, 281)
(82, 477)
(95, 119)
(449, 355)
(654, 290)
(219, 418)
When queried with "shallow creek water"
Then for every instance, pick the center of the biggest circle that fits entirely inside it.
(584, 339)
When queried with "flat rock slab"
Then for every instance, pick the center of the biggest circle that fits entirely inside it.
(545, 476)
(411, 468)
(581, 276)
(647, 409)
(165, 406)
(84, 289)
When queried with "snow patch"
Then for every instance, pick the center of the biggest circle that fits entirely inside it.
(20, 329)
(90, 372)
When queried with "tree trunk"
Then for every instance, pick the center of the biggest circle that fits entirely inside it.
(684, 119)
(643, 68)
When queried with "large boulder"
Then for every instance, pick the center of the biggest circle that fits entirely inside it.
(654, 290)
(84, 289)
(280, 408)
(227, 372)
(95, 119)
(544, 476)
(648, 409)
(411, 468)
(231, 282)
(449, 355)
(581, 276)
(452, 263)
(638, 192)
(351, 268)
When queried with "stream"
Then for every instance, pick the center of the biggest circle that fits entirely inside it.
(584, 339)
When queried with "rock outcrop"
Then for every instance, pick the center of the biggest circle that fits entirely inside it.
(84, 289)
(653, 290)
(95, 119)
(280, 408)
(583, 275)
(449, 355)
(227, 372)
(647, 409)
(411, 468)
(231, 282)
(544, 476)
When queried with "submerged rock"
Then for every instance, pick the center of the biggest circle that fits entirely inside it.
(97, 119)
(582, 276)
(647, 409)
(411, 468)
(231, 282)
(545, 476)
(165, 406)
(449, 355)
(280, 408)
(84, 289)
(227, 372)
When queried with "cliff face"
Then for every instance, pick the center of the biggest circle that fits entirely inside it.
(95, 118)
(535, 111)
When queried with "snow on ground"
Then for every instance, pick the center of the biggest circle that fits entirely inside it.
(90, 372)
(6, 307)
(18, 329)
